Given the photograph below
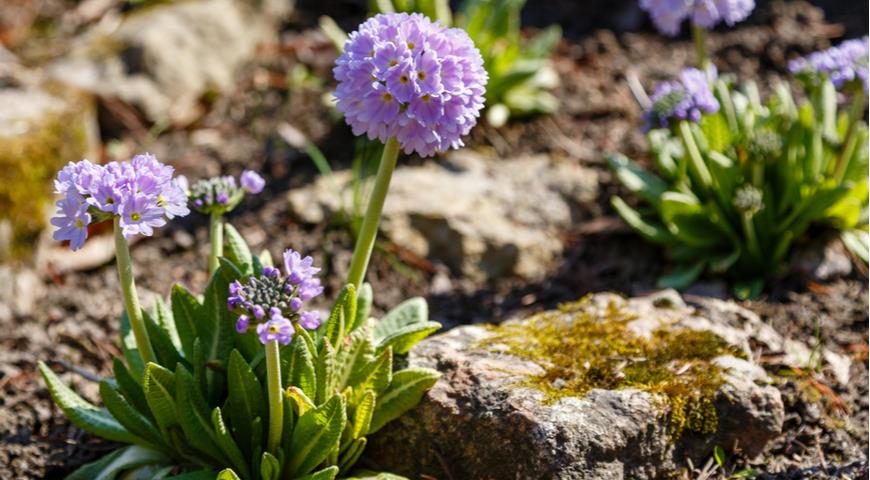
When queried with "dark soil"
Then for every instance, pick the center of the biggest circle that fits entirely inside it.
(74, 318)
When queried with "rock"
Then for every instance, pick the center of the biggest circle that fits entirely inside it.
(40, 130)
(162, 60)
(822, 259)
(483, 217)
(489, 417)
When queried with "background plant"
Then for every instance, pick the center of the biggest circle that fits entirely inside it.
(736, 185)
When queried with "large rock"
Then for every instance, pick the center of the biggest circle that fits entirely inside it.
(40, 130)
(501, 412)
(483, 217)
(163, 59)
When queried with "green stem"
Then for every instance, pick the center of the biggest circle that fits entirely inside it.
(751, 238)
(696, 161)
(131, 298)
(699, 35)
(216, 234)
(856, 114)
(276, 400)
(365, 242)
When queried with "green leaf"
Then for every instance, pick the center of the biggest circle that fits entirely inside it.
(187, 311)
(126, 415)
(362, 415)
(162, 344)
(227, 444)
(358, 352)
(637, 180)
(682, 276)
(215, 327)
(749, 289)
(324, 369)
(236, 249)
(227, 474)
(298, 366)
(342, 314)
(370, 475)
(166, 320)
(652, 232)
(858, 242)
(352, 454)
(317, 433)
(300, 402)
(328, 473)
(130, 350)
(363, 306)
(403, 339)
(131, 389)
(687, 220)
(245, 399)
(719, 456)
(193, 415)
(409, 312)
(82, 413)
(270, 467)
(376, 374)
(716, 131)
(117, 462)
(195, 475)
(158, 385)
(405, 391)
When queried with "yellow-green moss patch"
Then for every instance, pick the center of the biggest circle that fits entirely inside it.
(582, 349)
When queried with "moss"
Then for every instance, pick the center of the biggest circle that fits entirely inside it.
(582, 349)
(29, 162)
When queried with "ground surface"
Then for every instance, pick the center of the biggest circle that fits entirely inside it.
(74, 318)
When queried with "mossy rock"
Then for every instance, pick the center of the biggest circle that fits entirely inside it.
(603, 388)
(40, 131)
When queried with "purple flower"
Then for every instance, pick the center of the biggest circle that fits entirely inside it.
(277, 329)
(847, 62)
(668, 15)
(72, 220)
(278, 294)
(309, 320)
(242, 323)
(141, 192)
(686, 98)
(252, 181)
(299, 269)
(394, 61)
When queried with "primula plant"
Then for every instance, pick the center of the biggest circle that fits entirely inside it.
(247, 381)
(668, 17)
(738, 181)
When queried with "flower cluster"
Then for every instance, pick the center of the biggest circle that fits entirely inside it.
(668, 15)
(142, 193)
(686, 98)
(222, 194)
(274, 301)
(843, 64)
(406, 77)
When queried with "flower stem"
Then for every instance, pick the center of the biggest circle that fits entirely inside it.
(276, 400)
(216, 234)
(856, 113)
(699, 35)
(365, 242)
(131, 298)
(696, 161)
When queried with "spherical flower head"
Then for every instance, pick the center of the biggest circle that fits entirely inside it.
(669, 15)
(141, 193)
(844, 64)
(271, 295)
(748, 199)
(402, 75)
(222, 194)
(687, 98)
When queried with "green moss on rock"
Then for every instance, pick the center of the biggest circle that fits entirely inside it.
(582, 347)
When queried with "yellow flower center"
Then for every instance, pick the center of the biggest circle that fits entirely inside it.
(135, 216)
(411, 45)
(394, 62)
(404, 79)
(388, 97)
(80, 224)
(426, 98)
(421, 75)
(110, 200)
(273, 328)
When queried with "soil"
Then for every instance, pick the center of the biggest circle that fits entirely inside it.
(74, 316)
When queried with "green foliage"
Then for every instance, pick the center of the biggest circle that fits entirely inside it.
(520, 71)
(202, 408)
(732, 193)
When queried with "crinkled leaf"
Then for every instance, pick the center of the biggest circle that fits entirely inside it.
(118, 462)
(134, 421)
(193, 415)
(186, 311)
(236, 249)
(324, 371)
(164, 349)
(404, 338)
(245, 400)
(297, 364)
(128, 385)
(376, 375)
(227, 444)
(317, 433)
(637, 180)
(409, 312)
(159, 387)
(328, 473)
(270, 467)
(342, 314)
(352, 454)
(84, 414)
(405, 391)
(363, 307)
